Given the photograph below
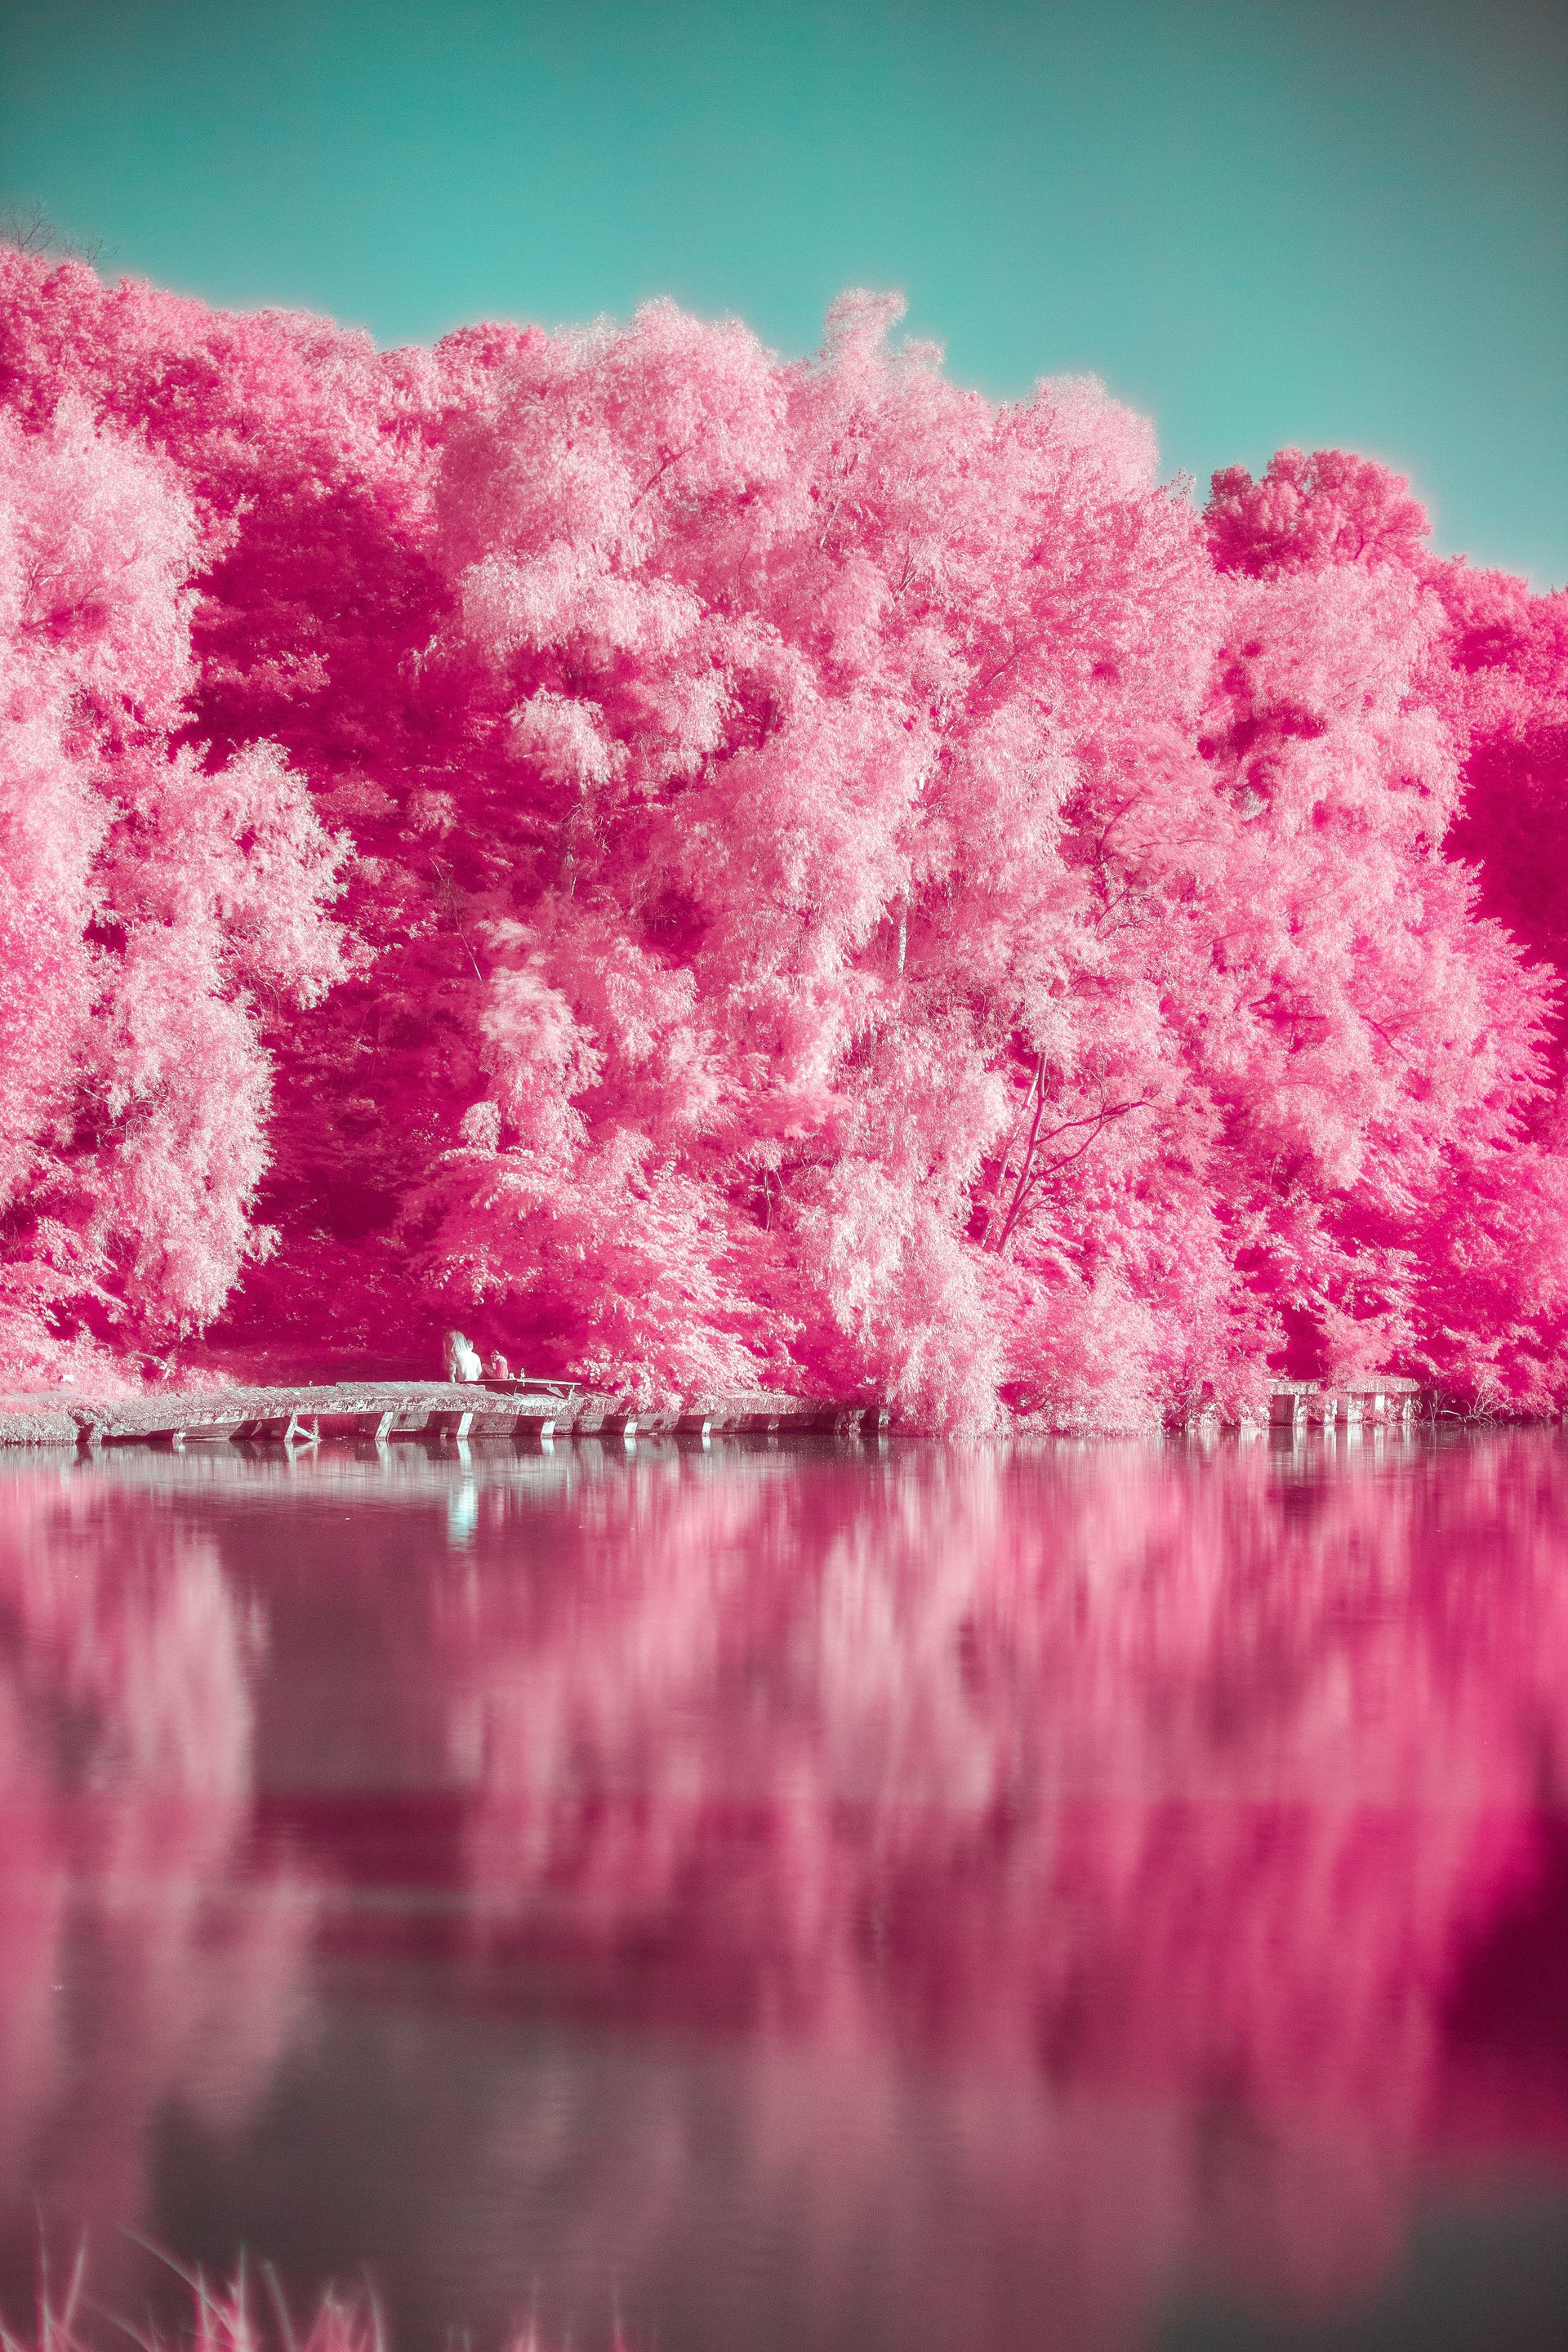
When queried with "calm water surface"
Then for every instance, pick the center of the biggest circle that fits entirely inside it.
(928, 1900)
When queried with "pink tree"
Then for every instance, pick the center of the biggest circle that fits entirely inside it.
(145, 902)
(800, 684)
(1448, 1238)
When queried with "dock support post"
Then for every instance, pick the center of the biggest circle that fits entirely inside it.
(835, 1420)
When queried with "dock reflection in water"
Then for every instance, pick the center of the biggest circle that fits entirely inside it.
(926, 1898)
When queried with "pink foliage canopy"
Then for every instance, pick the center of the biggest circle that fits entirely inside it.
(711, 871)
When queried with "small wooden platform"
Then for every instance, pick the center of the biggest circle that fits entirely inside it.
(1376, 1399)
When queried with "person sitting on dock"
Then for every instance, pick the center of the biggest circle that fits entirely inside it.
(462, 1360)
(498, 1369)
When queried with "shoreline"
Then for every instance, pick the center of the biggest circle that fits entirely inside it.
(526, 1411)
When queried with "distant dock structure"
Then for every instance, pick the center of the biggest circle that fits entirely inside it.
(1377, 1401)
(1373, 1401)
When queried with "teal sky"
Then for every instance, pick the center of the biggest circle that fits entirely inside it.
(1261, 224)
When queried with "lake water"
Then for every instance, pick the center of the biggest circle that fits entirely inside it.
(915, 1899)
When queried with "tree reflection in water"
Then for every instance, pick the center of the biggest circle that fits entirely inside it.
(950, 1896)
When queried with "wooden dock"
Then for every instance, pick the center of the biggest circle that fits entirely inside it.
(430, 1412)
(526, 1413)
